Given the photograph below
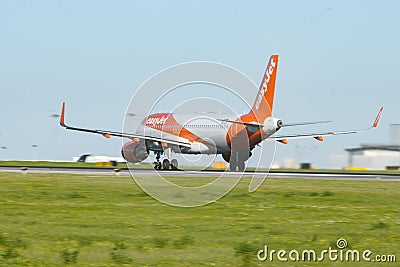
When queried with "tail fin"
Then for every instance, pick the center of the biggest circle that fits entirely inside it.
(264, 102)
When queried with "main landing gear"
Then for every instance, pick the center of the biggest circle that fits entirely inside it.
(237, 160)
(237, 164)
(166, 164)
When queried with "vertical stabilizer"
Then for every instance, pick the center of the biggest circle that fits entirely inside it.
(264, 102)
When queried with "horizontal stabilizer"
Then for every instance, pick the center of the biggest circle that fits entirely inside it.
(303, 123)
(283, 125)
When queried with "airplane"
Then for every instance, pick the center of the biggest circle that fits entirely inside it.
(228, 134)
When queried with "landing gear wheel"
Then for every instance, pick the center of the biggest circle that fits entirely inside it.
(241, 166)
(174, 164)
(157, 165)
(165, 164)
(232, 165)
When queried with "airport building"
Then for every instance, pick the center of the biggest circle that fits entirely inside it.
(377, 157)
(374, 157)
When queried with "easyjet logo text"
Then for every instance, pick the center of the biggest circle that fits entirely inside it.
(267, 77)
(156, 120)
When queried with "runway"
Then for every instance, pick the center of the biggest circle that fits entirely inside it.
(198, 173)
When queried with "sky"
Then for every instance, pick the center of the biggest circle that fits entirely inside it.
(339, 60)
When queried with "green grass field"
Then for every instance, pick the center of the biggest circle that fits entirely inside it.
(20, 163)
(76, 220)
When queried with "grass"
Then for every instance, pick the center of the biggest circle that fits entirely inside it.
(338, 171)
(60, 164)
(391, 172)
(77, 220)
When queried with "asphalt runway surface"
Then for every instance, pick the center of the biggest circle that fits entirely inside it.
(198, 173)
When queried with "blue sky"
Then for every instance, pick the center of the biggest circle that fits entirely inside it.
(339, 60)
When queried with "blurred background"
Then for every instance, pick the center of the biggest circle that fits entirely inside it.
(338, 61)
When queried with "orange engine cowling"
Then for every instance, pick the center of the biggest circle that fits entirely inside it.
(134, 151)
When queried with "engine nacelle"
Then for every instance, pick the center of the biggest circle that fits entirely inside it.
(134, 151)
(242, 156)
(226, 156)
(271, 125)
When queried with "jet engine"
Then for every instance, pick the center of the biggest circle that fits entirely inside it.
(134, 151)
(271, 125)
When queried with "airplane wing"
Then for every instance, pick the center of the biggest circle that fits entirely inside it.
(319, 136)
(108, 134)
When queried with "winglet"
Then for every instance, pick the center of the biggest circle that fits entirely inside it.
(377, 118)
(62, 115)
